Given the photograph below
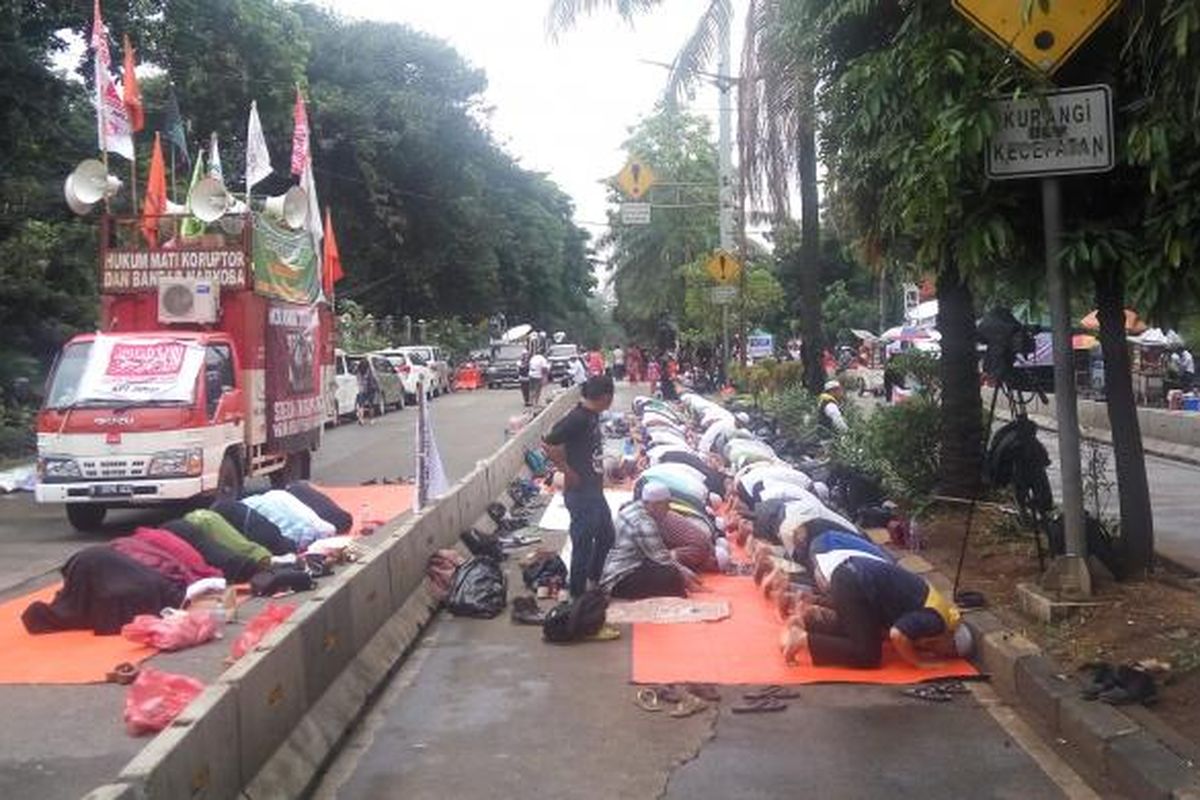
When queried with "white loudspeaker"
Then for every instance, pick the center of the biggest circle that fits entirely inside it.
(209, 200)
(291, 208)
(89, 184)
(235, 218)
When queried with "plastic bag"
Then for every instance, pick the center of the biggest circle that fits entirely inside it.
(266, 621)
(174, 630)
(479, 589)
(155, 698)
(439, 572)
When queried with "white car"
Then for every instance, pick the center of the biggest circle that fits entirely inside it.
(431, 357)
(411, 373)
(344, 389)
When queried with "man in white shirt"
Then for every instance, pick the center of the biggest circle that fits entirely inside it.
(539, 373)
(618, 360)
(578, 371)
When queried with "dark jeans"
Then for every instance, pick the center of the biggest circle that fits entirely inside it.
(650, 580)
(852, 635)
(591, 536)
(525, 390)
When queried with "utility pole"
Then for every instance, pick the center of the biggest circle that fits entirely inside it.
(725, 170)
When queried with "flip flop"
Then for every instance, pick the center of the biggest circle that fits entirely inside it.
(951, 687)
(774, 691)
(688, 705)
(647, 700)
(607, 633)
(123, 674)
(762, 705)
(931, 694)
(705, 691)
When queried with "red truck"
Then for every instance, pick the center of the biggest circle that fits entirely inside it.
(212, 365)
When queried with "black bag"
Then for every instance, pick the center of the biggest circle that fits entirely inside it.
(573, 620)
(320, 503)
(482, 544)
(543, 569)
(478, 589)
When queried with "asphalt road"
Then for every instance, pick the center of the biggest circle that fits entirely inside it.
(484, 708)
(61, 741)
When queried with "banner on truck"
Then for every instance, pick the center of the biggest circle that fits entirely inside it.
(140, 371)
(285, 263)
(295, 406)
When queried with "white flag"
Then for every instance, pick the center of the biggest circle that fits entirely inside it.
(431, 475)
(114, 132)
(258, 158)
(214, 159)
(312, 220)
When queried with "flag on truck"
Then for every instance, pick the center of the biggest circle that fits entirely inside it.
(131, 93)
(173, 128)
(258, 157)
(113, 131)
(193, 226)
(300, 154)
(332, 261)
(214, 159)
(155, 204)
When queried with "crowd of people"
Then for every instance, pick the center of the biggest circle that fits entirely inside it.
(710, 497)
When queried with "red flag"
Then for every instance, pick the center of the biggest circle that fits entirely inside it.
(132, 95)
(333, 262)
(299, 135)
(155, 204)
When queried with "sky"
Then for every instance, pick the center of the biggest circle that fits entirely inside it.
(562, 107)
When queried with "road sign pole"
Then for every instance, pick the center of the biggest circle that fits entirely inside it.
(1069, 572)
(725, 168)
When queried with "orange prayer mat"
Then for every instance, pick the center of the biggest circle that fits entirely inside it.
(63, 658)
(384, 502)
(744, 649)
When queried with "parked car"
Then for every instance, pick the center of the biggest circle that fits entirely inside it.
(411, 372)
(344, 391)
(502, 371)
(560, 356)
(391, 390)
(433, 357)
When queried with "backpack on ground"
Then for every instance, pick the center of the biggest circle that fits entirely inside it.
(576, 619)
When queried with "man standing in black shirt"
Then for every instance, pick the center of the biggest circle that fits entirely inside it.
(575, 447)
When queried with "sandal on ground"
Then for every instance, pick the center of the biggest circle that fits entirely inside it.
(705, 691)
(773, 691)
(647, 700)
(762, 705)
(688, 705)
(607, 633)
(931, 694)
(950, 687)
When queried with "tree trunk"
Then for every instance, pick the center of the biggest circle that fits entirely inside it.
(1137, 519)
(962, 409)
(813, 341)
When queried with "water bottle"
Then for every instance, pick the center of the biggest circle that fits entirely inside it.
(366, 525)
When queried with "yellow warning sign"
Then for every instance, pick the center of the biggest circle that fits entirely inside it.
(723, 267)
(636, 179)
(1046, 39)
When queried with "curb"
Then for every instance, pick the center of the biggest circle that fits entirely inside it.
(1105, 740)
(267, 726)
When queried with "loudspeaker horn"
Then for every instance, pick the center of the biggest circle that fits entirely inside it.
(78, 206)
(209, 200)
(291, 207)
(235, 218)
(88, 184)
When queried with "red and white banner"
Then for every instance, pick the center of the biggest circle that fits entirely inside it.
(114, 130)
(141, 371)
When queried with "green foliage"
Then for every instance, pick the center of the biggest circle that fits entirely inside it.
(796, 413)
(899, 445)
(358, 330)
(457, 337)
(923, 371)
(841, 311)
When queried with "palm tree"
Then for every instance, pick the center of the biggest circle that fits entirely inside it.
(776, 124)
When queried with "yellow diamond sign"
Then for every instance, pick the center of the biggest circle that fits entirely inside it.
(1046, 39)
(723, 267)
(636, 179)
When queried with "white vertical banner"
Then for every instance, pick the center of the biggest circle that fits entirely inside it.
(431, 475)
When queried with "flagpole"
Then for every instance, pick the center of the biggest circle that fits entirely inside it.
(133, 177)
(173, 191)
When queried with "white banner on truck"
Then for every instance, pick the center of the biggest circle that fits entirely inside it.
(140, 370)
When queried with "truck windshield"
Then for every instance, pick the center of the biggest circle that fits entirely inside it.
(563, 351)
(508, 352)
(64, 383)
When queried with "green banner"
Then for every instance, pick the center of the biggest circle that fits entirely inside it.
(285, 263)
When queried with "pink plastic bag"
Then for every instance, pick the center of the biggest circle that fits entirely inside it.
(175, 630)
(266, 621)
(155, 698)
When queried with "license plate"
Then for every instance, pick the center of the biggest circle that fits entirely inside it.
(112, 490)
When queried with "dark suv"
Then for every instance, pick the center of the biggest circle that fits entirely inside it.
(502, 371)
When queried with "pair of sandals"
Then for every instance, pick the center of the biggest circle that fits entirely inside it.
(765, 700)
(683, 699)
(937, 692)
(1118, 686)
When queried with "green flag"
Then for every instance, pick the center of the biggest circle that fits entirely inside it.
(191, 225)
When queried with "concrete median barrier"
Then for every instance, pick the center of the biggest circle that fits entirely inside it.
(268, 724)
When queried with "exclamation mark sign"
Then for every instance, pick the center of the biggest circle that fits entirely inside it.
(636, 169)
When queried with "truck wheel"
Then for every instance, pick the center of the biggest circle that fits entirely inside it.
(85, 516)
(229, 479)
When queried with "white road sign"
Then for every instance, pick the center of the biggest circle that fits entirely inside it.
(1066, 132)
(635, 213)
(722, 295)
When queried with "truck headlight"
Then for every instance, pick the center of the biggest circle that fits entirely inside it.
(187, 462)
(57, 468)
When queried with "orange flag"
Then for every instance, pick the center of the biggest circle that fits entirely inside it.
(333, 262)
(155, 203)
(132, 95)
